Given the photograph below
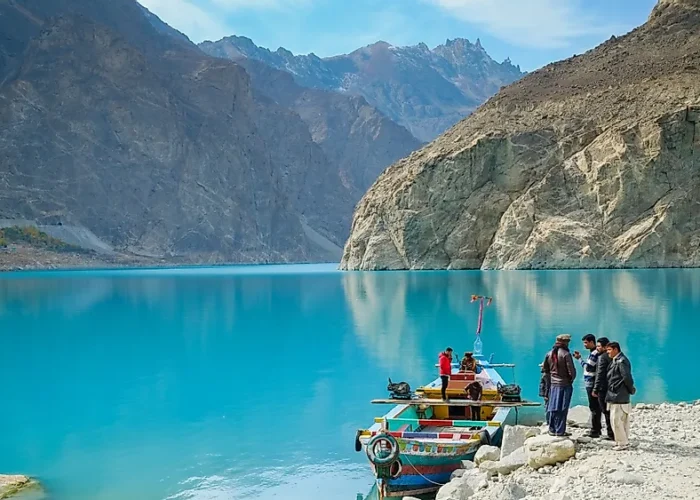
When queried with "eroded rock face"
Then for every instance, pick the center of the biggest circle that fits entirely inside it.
(587, 163)
(112, 125)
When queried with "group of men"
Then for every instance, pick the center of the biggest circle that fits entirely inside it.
(607, 374)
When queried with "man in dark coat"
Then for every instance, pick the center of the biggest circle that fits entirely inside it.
(559, 367)
(600, 385)
(620, 389)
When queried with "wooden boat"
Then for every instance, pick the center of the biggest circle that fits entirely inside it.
(415, 447)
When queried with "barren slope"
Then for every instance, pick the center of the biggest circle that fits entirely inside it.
(589, 162)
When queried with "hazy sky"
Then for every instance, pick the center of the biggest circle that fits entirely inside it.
(531, 32)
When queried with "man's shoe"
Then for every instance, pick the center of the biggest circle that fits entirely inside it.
(593, 435)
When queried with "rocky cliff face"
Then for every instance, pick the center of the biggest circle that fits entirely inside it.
(158, 149)
(590, 162)
(357, 139)
(424, 90)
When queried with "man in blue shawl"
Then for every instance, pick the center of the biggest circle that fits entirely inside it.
(559, 367)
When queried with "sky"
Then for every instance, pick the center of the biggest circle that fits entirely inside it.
(532, 33)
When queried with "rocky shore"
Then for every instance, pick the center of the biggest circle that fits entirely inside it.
(663, 461)
(25, 257)
(12, 485)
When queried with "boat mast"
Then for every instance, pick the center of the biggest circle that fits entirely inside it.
(478, 345)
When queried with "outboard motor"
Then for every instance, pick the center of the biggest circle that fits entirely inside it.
(400, 390)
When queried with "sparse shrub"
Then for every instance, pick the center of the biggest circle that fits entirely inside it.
(31, 235)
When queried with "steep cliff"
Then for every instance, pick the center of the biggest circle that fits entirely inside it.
(424, 90)
(357, 139)
(115, 126)
(589, 162)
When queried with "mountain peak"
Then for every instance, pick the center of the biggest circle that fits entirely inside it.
(458, 42)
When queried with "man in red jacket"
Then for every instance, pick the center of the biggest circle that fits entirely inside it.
(445, 362)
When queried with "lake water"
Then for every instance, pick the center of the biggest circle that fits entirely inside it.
(250, 382)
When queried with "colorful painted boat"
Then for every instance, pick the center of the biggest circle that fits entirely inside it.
(415, 447)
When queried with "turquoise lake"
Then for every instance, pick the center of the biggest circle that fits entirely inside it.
(250, 382)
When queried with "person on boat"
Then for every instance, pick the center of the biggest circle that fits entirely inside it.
(468, 363)
(600, 385)
(589, 369)
(474, 391)
(559, 366)
(620, 389)
(445, 363)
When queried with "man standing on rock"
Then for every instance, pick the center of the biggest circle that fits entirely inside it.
(445, 363)
(559, 367)
(589, 369)
(620, 389)
(600, 386)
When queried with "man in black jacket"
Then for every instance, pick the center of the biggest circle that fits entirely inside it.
(620, 389)
(600, 385)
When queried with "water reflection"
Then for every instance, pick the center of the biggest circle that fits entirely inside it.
(252, 385)
(398, 316)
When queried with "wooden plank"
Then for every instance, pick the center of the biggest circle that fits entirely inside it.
(453, 402)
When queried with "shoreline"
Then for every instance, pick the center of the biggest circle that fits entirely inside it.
(662, 462)
(16, 485)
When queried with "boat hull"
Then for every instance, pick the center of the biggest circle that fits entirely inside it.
(427, 466)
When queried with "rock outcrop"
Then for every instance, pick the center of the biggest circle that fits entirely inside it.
(424, 90)
(11, 485)
(587, 163)
(130, 131)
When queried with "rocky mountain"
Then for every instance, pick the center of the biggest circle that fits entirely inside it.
(424, 90)
(356, 138)
(115, 127)
(590, 162)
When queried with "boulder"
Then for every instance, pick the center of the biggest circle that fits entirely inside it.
(511, 463)
(514, 437)
(503, 491)
(468, 465)
(548, 450)
(457, 489)
(475, 479)
(485, 453)
(457, 473)
(579, 416)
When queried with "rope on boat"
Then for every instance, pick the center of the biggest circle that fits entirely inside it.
(421, 475)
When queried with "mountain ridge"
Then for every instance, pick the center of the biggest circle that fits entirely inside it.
(155, 147)
(440, 85)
